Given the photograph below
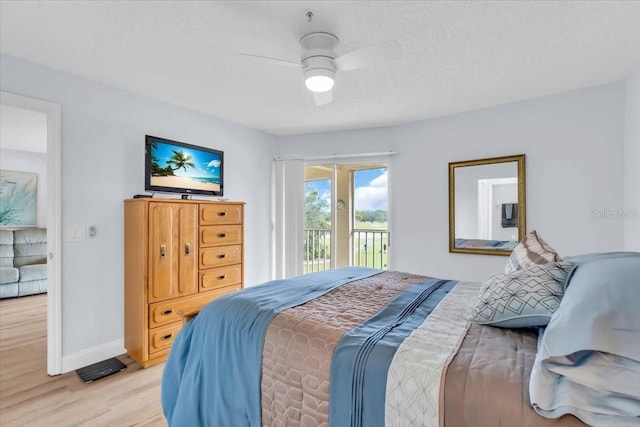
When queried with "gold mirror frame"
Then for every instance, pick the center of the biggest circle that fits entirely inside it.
(520, 161)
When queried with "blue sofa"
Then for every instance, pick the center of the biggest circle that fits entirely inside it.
(23, 262)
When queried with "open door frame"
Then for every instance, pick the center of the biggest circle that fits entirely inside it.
(54, 220)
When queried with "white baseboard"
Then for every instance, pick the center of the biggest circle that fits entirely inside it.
(80, 359)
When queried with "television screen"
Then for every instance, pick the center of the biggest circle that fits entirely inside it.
(176, 167)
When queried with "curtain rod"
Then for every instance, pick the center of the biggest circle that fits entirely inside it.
(339, 156)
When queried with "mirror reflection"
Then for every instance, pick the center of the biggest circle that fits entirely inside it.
(486, 205)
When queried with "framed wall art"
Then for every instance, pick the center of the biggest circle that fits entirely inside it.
(18, 199)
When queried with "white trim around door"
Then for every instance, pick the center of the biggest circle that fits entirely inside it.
(54, 221)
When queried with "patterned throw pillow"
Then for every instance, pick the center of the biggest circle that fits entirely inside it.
(531, 250)
(524, 298)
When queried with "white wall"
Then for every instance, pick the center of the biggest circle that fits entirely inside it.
(574, 147)
(103, 131)
(25, 161)
(573, 141)
(632, 163)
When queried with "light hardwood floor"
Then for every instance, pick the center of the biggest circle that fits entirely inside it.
(29, 397)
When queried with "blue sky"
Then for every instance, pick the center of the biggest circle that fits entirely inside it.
(370, 189)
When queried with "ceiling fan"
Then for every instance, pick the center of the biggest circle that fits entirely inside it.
(319, 62)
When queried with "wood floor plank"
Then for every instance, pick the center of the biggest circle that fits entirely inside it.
(29, 397)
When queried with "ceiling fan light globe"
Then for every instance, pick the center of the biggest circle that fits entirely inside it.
(319, 83)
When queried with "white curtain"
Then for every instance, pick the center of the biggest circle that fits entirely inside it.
(289, 215)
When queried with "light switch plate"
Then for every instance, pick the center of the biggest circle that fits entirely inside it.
(75, 233)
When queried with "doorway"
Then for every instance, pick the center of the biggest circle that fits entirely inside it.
(345, 216)
(498, 208)
(53, 220)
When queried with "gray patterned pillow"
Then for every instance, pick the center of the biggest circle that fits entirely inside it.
(531, 250)
(525, 298)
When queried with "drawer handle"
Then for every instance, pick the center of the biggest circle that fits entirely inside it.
(167, 337)
(167, 312)
(222, 214)
(222, 277)
(163, 250)
(222, 235)
(222, 256)
(187, 248)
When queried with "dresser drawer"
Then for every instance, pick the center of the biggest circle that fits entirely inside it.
(220, 277)
(220, 214)
(219, 256)
(161, 338)
(162, 313)
(220, 235)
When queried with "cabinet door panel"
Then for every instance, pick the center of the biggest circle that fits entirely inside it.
(188, 250)
(173, 251)
(163, 272)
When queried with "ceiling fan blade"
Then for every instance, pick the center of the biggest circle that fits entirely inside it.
(370, 55)
(323, 98)
(276, 60)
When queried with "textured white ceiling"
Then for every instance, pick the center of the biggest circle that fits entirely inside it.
(22, 130)
(458, 56)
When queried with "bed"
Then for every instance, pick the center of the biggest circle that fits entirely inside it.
(363, 347)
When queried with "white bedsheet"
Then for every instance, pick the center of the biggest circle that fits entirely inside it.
(413, 381)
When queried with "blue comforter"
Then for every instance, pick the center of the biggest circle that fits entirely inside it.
(212, 376)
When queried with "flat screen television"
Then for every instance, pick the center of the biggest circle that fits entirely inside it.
(177, 167)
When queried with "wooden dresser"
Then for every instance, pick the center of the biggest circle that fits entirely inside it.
(178, 256)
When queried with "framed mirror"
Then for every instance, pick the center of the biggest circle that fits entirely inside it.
(487, 205)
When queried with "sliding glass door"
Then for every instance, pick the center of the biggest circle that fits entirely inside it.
(370, 234)
(345, 216)
(318, 218)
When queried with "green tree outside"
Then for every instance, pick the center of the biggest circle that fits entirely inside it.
(317, 216)
(178, 159)
(316, 209)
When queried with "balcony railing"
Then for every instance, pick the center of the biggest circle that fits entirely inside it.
(317, 250)
(368, 249)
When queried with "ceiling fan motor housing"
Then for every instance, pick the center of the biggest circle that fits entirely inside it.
(318, 52)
